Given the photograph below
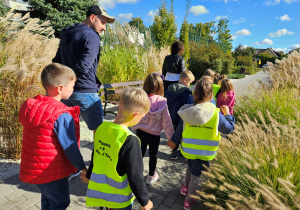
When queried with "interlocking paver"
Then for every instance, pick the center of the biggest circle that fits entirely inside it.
(164, 194)
(29, 202)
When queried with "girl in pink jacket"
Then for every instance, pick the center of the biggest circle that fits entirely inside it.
(226, 95)
(150, 127)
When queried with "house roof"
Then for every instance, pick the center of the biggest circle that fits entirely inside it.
(259, 51)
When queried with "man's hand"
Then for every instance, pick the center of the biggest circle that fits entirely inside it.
(148, 206)
(83, 177)
(225, 110)
(171, 144)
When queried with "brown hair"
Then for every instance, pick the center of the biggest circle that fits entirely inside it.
(218, 79)
(203, 90)
(176, 47)
(210, 73)
(56, 74)
(135, 98)
(153, 84)
(207, 78)
(226, 85)
(187, 74)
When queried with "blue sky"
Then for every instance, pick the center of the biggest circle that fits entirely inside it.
(255, 23)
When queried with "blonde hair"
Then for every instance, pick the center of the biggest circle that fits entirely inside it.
(56, 74)
(226, 85)
(203, 90)
(154, 84)
(187, 74)
(135, 98)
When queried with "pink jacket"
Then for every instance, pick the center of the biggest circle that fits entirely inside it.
(229, 101)
(157, 118)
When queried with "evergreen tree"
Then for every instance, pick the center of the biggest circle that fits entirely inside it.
(223, 35)
(138, 23)
(164, 26)
(61, 13)
(202, 32)
(184, 33)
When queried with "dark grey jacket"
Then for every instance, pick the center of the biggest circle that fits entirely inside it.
(173, 63)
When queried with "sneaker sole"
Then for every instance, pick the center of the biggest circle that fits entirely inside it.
(174, 158)
(185, 194)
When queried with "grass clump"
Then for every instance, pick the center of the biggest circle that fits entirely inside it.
(258, 166)
(24, 52)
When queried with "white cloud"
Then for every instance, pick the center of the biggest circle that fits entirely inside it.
(288, 49)
(244, 32)
(221, 17)
(198, 10)
(281, 32)
(127, 1)
(151, 14)
(125, 16)
(112, 3)
(265, 41)
(107, 3)
(274, 2)
(241, 20)
(284, 18)
(226, 1)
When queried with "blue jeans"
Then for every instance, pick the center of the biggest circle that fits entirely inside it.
(126, 208)
(90, 108)
(55, 194)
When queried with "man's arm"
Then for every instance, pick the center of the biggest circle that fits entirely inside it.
(64, 127)
(90, 53)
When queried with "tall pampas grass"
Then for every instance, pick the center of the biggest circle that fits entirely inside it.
(26, 47)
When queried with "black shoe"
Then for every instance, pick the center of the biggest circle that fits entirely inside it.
(174, 154)
(77, 173)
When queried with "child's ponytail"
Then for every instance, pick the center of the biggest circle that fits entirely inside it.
(203, 91)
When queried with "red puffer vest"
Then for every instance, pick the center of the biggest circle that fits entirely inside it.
(43, 159)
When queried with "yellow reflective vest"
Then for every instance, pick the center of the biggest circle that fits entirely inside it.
(215, 90)
(201, 141)
(106, 188)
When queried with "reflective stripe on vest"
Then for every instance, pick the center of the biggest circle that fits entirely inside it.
(115, 198)
(103, 179)
(201, 141)
(106, 187)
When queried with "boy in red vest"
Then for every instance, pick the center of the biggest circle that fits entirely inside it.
(50, 146)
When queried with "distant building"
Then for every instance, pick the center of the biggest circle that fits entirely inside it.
(18, 5)
(268, 51)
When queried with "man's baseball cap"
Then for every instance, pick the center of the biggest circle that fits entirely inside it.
(96, 10)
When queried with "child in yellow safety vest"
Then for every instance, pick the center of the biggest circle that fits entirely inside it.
(116, 169)
(199, 129)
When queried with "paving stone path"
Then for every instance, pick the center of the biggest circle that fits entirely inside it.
(16, 195)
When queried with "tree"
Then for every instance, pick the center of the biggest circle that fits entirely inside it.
(223, 35)
(164, 26)
(61, 13)
(202, 31)
(138, 23)
(3, 8)
(184, 33)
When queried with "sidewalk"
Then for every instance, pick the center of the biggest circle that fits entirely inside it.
(16, 195)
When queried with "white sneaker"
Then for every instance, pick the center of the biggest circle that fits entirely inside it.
(152, 179)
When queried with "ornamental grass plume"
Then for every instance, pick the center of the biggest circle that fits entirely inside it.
(262, 157)
(26, 48)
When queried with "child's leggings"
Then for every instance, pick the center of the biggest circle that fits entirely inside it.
(153, 142)
(191, 182)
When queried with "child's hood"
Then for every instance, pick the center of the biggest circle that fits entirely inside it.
(158, 104)
(197, 114)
